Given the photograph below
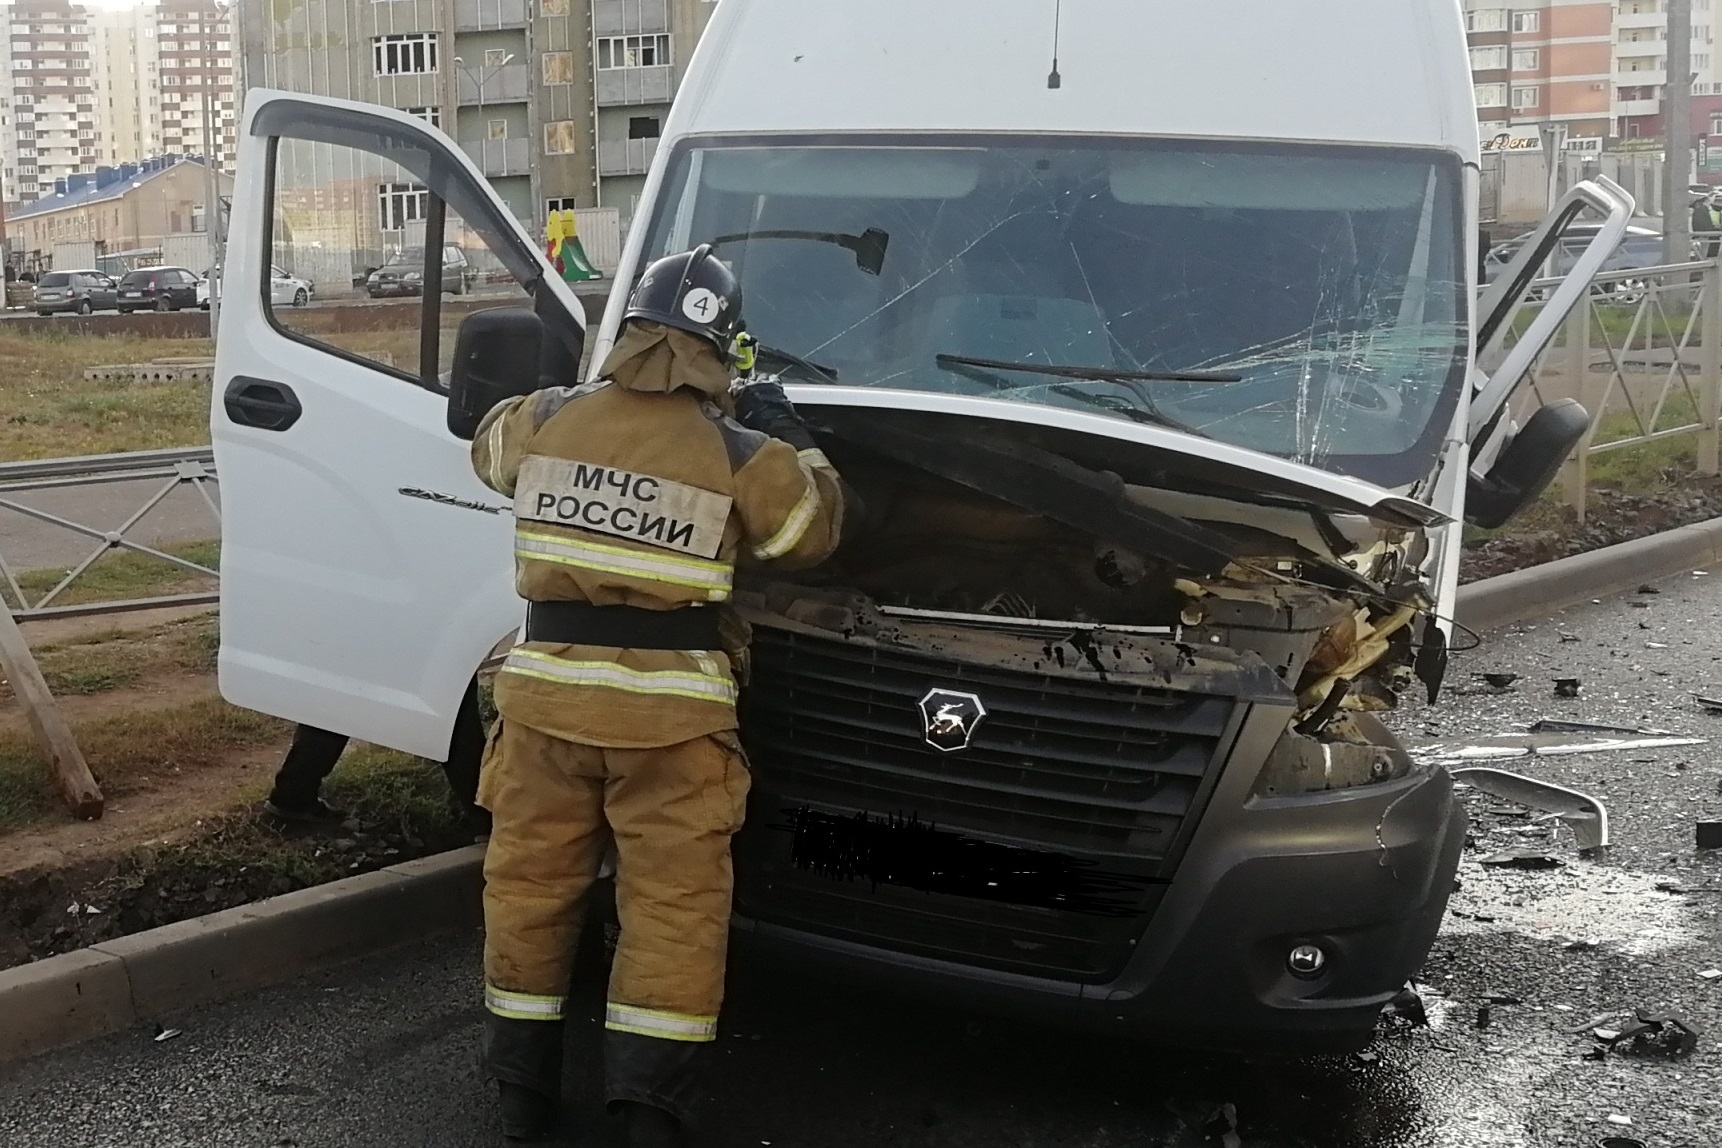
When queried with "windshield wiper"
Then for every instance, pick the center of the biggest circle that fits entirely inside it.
(826, 374)
(1148, 412)
(1093, 374)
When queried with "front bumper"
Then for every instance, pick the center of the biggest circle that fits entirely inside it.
(1176, 893)
(1365, 874)
(393, 289)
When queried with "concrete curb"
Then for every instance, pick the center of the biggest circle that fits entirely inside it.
(1541, 590)
(113, 985)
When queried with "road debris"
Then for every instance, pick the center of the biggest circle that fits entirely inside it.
(1407, 1005)
(1711, 975)
(1619, 1142)
(1484, 1016)
(1647, 588)
(1708, 704)
(1663, 1034)
(166, 1034)
(1524, 857)
(1709, 834)
(1500, 681)
(1580, 812)
(1548, 739)
(1567, 687)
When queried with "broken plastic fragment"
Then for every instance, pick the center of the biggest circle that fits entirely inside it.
(1711, 975)
(164, 1034)
(1617, 1118)
(1580, 812)
(1524, 858)
(1567, 687)
(1500, 681)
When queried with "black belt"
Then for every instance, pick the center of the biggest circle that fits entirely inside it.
(626, 627)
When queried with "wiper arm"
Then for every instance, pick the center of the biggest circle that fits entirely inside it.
(1094, 374)
(1148, 412)
(826, 374)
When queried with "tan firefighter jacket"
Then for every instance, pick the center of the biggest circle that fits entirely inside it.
(640, 490)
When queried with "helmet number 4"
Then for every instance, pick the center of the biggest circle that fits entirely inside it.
(701, 305)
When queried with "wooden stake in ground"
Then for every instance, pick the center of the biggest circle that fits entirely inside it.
(71, 772)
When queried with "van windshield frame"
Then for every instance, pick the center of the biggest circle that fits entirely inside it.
(1295, 265)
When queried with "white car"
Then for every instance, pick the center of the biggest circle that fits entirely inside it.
(284, 290)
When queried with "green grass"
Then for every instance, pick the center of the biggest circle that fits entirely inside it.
(122, 574)
(48, 410)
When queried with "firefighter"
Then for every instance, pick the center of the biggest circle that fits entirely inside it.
(634, 496)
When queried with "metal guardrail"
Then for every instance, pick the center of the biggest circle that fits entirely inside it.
(168, 469)
(1643, 353)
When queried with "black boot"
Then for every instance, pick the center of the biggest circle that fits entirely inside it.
(649, 1127)
(525, 1058)
(652, 1082)
(526, 1115)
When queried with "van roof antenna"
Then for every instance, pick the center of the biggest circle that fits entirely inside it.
(1053, 79)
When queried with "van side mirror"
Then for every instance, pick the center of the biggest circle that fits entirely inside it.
(1526, 465)
(496, 356)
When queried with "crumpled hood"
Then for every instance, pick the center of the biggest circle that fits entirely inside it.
(653, 358)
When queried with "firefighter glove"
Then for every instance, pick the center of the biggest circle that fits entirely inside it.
(765, 408)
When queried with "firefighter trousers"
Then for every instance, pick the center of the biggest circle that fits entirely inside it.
(671, 812)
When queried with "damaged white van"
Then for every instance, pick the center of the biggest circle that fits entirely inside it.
(1159, 378)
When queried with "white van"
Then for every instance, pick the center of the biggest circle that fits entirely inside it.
(1156, 366)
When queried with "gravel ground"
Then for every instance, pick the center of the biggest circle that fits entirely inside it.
(384, 1052)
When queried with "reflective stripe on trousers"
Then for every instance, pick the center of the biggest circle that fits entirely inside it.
(658, 1023)
(715, 578)
(659, 683)
(522, 1006)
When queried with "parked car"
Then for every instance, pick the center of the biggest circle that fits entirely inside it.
(76, 291)
(1641, 248)
(284, 290)
(1165, 406)
(158, 289)
(403, 274)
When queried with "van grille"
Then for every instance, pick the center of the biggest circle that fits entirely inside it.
(1075, 774)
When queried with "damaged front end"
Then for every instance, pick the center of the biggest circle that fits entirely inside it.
(1091, 734)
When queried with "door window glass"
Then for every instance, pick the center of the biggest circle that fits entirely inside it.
(357, 225)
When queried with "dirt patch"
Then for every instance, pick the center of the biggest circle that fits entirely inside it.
(1613, 516)
(400, 810)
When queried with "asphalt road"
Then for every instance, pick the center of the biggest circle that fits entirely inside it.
(384, 1052)
(29, 543)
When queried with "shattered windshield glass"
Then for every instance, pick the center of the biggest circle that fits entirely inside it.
(1319, 287)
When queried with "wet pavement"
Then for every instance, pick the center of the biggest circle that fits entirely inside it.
(384, 1052)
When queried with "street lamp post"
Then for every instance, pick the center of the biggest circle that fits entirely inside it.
(483, 73)
(212, 226)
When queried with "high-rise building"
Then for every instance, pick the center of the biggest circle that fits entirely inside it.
(559, 102)
(84, 87)
(1595, 70)
(52, 127)
(118, 43)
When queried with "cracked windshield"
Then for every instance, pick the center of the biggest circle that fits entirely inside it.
(1302, 302)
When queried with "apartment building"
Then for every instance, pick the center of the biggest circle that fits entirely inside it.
(82, 86)
(1595, 70)
(118, 40)
(194, 69)
(559, 102)
(50, 128)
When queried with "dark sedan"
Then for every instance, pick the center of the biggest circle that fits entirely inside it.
(157, 289)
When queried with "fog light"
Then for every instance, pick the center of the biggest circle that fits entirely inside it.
(1306, 961)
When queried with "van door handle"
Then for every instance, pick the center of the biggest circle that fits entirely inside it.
(261, 404)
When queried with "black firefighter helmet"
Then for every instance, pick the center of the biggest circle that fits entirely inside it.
(695, 292)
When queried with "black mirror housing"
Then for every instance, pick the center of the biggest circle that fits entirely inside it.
(496, 358)
(1527, 464)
